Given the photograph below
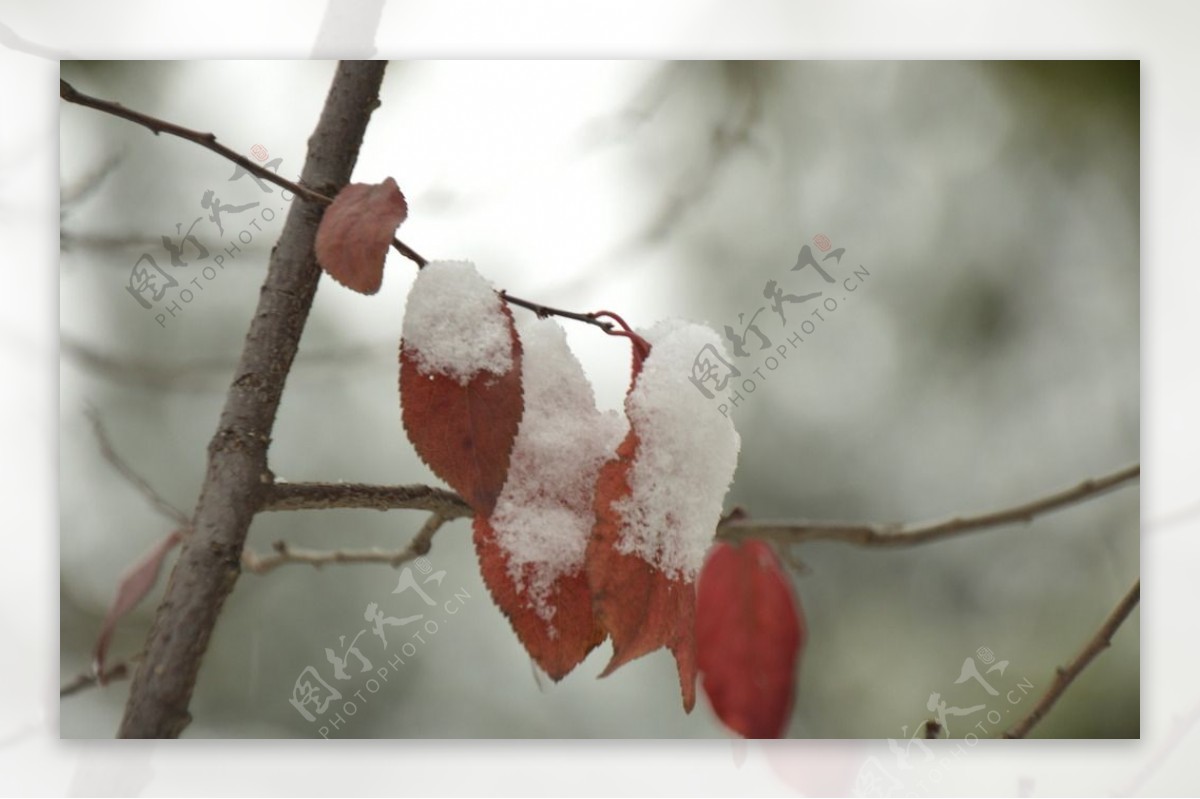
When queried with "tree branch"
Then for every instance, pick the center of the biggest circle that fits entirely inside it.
(304, 496)
(90, 678)
(201, 374)
(237, 477)
(898, 535)
(284, 554)
(1065, 676)
(209, 141)
(325, 496)
(136, 480)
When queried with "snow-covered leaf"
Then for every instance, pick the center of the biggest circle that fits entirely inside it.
(640, 607)
(531, 551)
(460, 380)
(557, 644)
(658, 504)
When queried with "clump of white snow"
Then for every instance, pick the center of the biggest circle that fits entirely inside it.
(544, 516)
(455, 323)
(686, 455)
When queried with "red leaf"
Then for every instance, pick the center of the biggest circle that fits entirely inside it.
(640, 607)
(531, 550)
(636, 603)
(135, 583)
(750, 630)
(557, 645)
(356, 231)
(464, 432)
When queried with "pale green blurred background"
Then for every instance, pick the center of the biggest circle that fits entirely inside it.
(991, 356)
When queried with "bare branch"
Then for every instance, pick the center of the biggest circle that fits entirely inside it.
(88, 679)
(209, 141)
(304, 496)
(201, 374)
(326, 496)
(285, 554)
(423, 541)
(898, 535)
(118, 242)
(1065, 676)
(136, 480)
(727, 139)
(543, 311)
(237, 478)
(87, 184)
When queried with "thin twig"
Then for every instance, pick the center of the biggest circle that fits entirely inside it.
(209, 141)
(1064, 676)
(305, 496)
(326, 496)
(898, 535)
(101, 242)
(200, 374)
(86, 185)
(543, 311)
(285, 554)
(422, 542)
(136, 480)
(88, 679)
(408, 252)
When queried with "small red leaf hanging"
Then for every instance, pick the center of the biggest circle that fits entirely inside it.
(460, 380)
(750, 631)
(356, 231)
(135, 583)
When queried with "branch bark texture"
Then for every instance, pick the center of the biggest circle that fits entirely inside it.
(237, 479)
